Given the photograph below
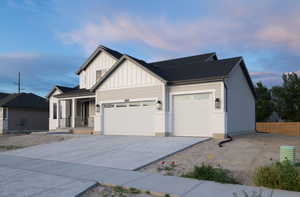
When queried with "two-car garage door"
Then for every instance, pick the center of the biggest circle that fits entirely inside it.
(134, 118)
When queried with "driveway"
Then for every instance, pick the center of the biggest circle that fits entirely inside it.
(70, 167)
(122, 152)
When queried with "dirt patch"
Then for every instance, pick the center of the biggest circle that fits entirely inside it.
(15, 141)
(241, 156)
(106, 191)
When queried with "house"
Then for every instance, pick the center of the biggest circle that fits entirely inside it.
(191, 96)
(23, 112)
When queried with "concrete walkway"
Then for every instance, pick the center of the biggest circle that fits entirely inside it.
(21, 176)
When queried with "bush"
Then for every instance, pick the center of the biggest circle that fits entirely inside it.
(278, 176)
(207, 172)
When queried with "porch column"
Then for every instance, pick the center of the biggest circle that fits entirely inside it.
(58, 114)
(74, 103)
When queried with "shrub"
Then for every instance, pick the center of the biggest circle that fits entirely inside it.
(207, 172)
(278, 176)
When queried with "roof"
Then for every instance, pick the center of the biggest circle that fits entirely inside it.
(195, 70)
(24, 100)
(74, 93)
(189, 59)
(63, 89)
(187, 70)
(115, 54)
(2, 95)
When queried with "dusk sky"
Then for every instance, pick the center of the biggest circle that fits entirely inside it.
(48, 40)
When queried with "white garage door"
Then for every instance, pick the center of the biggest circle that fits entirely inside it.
(192, 114)
(136, 118)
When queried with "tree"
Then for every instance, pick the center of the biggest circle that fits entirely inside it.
(264, 104)
(287, 97)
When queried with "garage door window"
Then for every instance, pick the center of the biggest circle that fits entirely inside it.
(121, 105)
(137, 104)
(108, 105)
(148, 103)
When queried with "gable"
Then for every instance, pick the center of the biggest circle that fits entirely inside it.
(103, 62)
(128, 75)
(239, 82)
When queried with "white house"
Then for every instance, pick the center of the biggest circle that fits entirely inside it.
(191, 96)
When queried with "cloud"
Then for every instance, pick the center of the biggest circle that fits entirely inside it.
(39, 73)
(233, 25)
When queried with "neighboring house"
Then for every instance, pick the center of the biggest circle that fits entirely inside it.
(191, 96)
(23, 112)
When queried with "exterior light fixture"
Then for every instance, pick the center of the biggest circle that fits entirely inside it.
(158, 105)
(97, 108)
(217, 103)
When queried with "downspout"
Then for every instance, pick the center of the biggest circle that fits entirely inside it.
(227, 137)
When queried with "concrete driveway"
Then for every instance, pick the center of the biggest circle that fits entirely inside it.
(122, 152)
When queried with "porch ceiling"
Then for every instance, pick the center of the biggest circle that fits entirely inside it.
(76, 93)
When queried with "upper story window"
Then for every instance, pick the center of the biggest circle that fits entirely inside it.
(4, 113)
(99, 74)
(54, 110)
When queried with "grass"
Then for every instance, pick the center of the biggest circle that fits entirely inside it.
(278, 175)
(209, 173)
(10, 147)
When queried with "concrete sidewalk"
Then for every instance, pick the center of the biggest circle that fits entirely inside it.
(22, 176)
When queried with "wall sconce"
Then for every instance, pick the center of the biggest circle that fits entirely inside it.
(158, 105)
(217, 103)
(97, 108)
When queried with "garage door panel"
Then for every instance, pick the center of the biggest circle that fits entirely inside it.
(192, 114)
(134, 119)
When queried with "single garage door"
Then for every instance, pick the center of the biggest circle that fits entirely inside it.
(135, 118)
(192, 114)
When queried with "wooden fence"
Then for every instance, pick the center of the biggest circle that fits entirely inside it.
(286, 128)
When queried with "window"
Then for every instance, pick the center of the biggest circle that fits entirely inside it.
(54, 110)
(148, 103)
(108, 105)
(4, 113)
(137, 104)
(98, 74)
(121, 105)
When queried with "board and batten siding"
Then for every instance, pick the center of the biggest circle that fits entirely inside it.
(217, 91)
(241, 103)
(87, 77)
(129, 75)
(129, 81)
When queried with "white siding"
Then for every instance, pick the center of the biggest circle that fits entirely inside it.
(217, 116)
(88, 76)
(241, 104)
(53, 123)
(129, 75)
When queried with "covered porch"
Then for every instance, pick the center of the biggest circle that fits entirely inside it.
(76, 111)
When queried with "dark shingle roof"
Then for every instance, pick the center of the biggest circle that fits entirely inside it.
(117, 55)
(24, 100)
(185, 60)
(195, 70)
(2, 95)
(66, 89)
(76, 92)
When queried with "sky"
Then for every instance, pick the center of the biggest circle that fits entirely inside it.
(47, 41)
